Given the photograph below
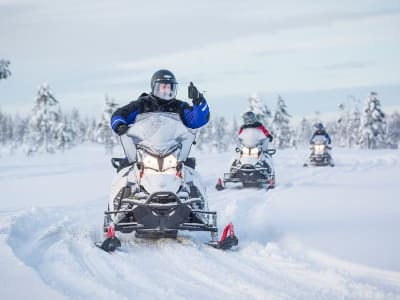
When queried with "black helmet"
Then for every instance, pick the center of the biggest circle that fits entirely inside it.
(164, 77)
(319, 126)
(249, 118)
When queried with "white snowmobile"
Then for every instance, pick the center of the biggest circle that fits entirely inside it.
(156, 191)
(254, 165)
(320, 152)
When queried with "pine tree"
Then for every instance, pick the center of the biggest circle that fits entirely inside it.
(280, 126)
(222, 136)
(77, 126)
(340, 128)
(20, 131)
(373, 124)
(353, 127)
(394, 130)
(303, 132)
(261, 110)
(43, 122)
(4, 70)
(104, 133)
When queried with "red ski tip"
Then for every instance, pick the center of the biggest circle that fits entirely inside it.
(228, 229)
(111, 232)
(228, 238)
(219, 186)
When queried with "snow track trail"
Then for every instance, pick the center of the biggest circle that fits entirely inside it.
(321, 234)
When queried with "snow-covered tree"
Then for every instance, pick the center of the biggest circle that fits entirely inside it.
(4, 69)
(353, 127)
(261, 110)
(20, 131)
(280, 126)
(78, 127)
(222, 137)
(303, 132)
(394, 130)
(43, 122)
(341, 126)
(373, 124)
(104, 133)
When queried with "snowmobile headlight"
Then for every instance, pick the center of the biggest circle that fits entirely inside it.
(252, 152)
(169, 162)
(319, 149)
(151, 162)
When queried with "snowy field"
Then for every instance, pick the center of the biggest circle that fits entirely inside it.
(323, 233)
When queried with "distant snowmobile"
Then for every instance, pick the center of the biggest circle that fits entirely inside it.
(156, 191)
(254, 165)
(320, 155)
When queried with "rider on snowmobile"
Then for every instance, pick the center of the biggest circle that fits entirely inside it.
(250, 121)
(161, 99)
(320, 131)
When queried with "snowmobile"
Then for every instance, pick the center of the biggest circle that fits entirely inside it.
(254, 166)
(320, 155)
(157, 191)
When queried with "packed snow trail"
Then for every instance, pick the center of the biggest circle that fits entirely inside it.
(285, 249)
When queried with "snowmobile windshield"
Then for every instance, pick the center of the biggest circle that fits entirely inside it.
(161, 133)
(251, 137)
(319, 140)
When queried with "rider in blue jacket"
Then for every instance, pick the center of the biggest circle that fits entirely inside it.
(162, 99)
(320, 130)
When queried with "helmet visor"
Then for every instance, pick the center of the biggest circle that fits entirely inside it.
(165, 91)
(249, 118)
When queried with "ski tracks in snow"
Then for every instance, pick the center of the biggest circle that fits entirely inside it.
(61, 250)
(58, 243)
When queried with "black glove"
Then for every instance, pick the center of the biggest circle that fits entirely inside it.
(179, 166)
(270, 137)
(194, 94)
(122, 129)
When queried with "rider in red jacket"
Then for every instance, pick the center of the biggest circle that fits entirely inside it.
(250, 121)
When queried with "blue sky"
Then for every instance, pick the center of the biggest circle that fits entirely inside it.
(313, 54)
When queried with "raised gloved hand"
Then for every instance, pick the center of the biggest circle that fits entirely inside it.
(194, 94)
(122, 129)
(270, 137)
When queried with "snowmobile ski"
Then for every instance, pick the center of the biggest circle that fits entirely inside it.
(227, 241)
(109, 244)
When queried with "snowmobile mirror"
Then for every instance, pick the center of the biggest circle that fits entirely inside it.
(237, 150)
(116, 162)
(271, 151)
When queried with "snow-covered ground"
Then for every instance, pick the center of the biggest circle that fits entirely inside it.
(323, 233)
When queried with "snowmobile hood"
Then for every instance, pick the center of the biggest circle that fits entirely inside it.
(161, 182)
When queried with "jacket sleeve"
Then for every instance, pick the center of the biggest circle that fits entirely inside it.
(197, 115)
(125, 115)
(311, 139)
(328, 138)
(264, 130)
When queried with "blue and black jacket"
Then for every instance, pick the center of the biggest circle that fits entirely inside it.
(192, 116)
(321, 132)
